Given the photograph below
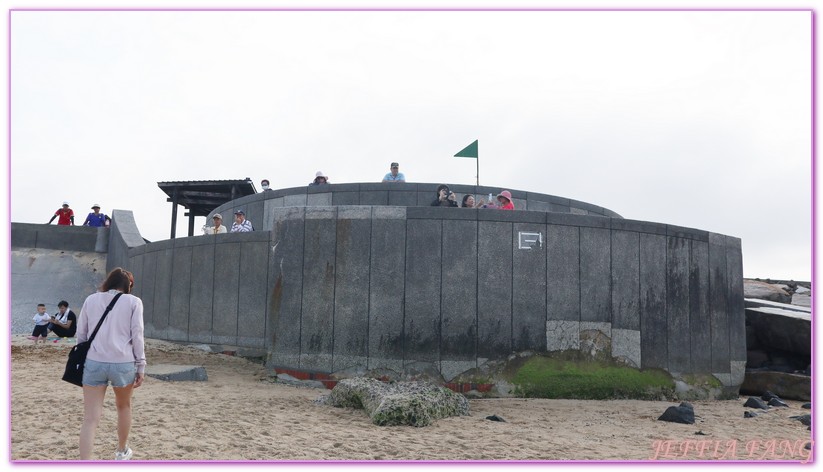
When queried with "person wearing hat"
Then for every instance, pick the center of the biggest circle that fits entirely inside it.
(265, 184)
(97, 219)
(394, 175)
(218, 227)
(445, 197)
(505, 200)
(241, 224)
(320, 178)
(64, 215)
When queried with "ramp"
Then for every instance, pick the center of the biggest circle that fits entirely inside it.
(48, 276)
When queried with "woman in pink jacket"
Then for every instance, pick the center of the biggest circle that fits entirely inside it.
(117, 356)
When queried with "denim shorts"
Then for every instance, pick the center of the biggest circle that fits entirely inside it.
(96, 374)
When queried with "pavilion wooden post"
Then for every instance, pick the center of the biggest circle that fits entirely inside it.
(174, 214)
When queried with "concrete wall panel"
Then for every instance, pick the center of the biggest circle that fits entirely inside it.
(319, 199)
(251, 313)
(134, 264)
(345, 198)
(653, 330)
(202, 293)
(459, 296)
(737, 310)
(162, 292)
(374, 198)
(403, 198)
(625, 280)
(423, 289)
(595, 281)
(528, 290)
(699, 320)
(494, 297)
(351, 308)
(148, 282)
(226, 291)
(285, 299)
(718, 303)
(387, 293)
(677, 305)
(317, 328)
(563, 272)
(180, 313)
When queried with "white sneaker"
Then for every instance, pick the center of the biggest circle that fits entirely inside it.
(123, 455)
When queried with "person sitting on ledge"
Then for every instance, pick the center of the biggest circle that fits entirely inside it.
(445, 197)
(241, 224)
(320, 179)
(218, 227)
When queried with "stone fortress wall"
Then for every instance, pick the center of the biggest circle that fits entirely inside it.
(354, 276)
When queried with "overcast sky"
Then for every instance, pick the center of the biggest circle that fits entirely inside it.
(697, 119)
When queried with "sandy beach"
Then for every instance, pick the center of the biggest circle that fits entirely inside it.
(239, 414)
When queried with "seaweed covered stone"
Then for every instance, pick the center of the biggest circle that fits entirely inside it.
(399, 403)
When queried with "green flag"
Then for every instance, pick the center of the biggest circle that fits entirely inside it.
(469, 151)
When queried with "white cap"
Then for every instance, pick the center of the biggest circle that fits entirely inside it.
(320, 174)
(65, 203)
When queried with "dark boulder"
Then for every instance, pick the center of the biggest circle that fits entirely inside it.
(767, 395)
(495, 418)
(779, 329)
(791, 386)
(684, 413)
(755, 403)
(777, 402)
(749, 414)
(805, 419)
(806, 406)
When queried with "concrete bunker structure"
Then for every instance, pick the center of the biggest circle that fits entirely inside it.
(368, 276)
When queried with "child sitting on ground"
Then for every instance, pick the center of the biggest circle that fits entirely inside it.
(41, 324)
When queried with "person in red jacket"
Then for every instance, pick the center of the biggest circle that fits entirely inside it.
(505, 200)
(65, 214)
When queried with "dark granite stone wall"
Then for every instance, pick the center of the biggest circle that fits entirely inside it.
(329, 288)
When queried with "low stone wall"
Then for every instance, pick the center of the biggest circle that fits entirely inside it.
(64, 238)
(259, 207)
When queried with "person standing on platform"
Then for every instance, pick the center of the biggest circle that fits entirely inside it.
(394, 175)
(241, 224)
(64, 215)
(97, 219)
(218, 227)
(319, 179)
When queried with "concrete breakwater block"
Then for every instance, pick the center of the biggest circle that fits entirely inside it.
(177, 373)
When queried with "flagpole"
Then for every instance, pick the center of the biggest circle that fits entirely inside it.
(478, 169)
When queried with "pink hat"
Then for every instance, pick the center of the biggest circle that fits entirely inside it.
(505, 194)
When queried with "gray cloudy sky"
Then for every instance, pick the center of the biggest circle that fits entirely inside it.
(697, 119)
